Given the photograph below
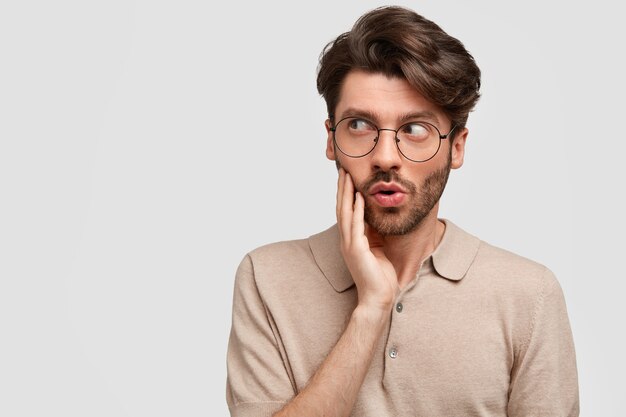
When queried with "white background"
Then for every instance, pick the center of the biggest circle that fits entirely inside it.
(146, 146)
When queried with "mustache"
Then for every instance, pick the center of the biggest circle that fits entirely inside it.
(387, 176)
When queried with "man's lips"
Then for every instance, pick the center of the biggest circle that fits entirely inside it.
(386, 188)
(388, 194)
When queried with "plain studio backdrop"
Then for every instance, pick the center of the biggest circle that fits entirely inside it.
(146, 146)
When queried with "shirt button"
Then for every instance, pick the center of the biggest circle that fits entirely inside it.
(393, 353)
(399, 307)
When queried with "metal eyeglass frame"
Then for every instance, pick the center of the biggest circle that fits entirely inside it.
(441, 137)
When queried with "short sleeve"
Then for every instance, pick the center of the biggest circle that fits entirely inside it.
(257, 382)
(544, 379)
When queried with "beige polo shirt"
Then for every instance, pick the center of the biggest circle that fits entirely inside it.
(480, 331)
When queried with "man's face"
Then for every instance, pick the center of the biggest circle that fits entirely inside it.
(398, 193)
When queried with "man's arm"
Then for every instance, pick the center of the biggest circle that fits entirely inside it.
(544, 379)
(258, 383)
(332, 391)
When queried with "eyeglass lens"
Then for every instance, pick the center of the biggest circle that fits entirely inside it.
(418, 141)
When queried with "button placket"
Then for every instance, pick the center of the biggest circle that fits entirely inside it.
(392, 348)
(399, 324)
(393, 353)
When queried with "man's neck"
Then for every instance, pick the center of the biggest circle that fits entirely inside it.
(407, 252)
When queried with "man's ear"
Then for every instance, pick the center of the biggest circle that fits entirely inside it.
(330, 145)
(458, 149)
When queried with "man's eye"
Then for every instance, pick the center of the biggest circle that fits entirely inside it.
(416, 130)
(360, 125)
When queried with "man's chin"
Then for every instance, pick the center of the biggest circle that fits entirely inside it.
(390, 210)
(390, 222)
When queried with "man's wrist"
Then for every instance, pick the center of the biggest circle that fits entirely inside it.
(372, 314)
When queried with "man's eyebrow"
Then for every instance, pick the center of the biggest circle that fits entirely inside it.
(424, 114)
(375, 117)
(366, 114)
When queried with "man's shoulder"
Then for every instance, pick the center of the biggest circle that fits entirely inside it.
(513, 270)
(296, 254)
(461, 252)
(279, 249)
(488, 265)
(296, 266)
(294, 247)
(496, 255)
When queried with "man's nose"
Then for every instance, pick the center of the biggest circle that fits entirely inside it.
(386, 154)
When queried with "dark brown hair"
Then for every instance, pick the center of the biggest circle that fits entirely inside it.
(398, 42)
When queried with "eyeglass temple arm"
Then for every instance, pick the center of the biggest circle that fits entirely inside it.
(448, 134)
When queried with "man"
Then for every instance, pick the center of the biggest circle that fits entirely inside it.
(393, 311)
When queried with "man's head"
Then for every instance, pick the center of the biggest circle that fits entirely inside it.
(398, 42)
(392, 68)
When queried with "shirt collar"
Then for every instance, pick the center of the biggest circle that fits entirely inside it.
(451, 259)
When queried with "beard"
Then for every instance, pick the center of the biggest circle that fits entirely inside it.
(393, 221)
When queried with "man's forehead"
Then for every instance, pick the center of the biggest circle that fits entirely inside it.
(379, 97)
(375, 115)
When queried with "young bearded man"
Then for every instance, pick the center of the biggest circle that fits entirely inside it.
(393, 311)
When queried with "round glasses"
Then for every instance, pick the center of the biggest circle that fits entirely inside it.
(416, 141)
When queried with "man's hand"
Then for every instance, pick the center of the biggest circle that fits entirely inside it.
(333, 390)
(361, 246)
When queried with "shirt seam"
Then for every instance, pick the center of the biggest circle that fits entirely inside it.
(277, 344)
(538, 307)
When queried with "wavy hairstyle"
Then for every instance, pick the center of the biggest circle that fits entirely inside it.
(398, 42)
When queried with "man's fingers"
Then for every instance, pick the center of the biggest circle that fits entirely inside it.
(340, 181)
(345, 213)
(358, 224)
